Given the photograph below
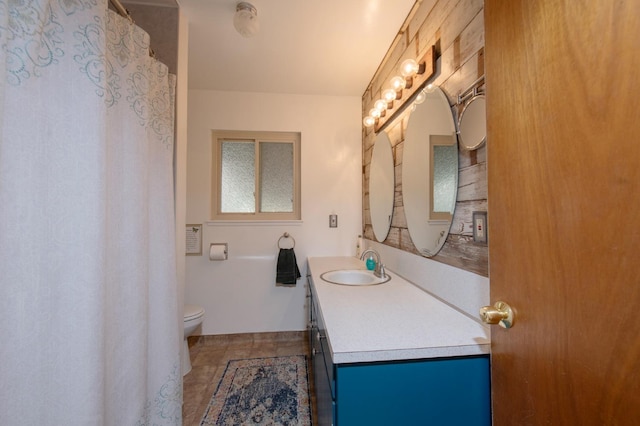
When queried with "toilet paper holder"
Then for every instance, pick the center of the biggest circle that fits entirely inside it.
(218, 251)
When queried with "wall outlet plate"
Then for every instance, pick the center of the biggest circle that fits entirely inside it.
(479, 227)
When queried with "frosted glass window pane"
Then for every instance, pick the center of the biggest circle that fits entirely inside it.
(238, 177)
(445, 170)
(276, 177)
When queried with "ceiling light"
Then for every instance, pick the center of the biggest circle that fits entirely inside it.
(246, 19)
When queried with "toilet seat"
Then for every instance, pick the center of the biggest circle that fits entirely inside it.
(192, 312)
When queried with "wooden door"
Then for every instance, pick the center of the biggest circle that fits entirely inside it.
(563, 110)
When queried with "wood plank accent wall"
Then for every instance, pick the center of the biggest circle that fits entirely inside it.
(456, 28)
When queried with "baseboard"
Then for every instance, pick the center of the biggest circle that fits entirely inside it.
(243, 338)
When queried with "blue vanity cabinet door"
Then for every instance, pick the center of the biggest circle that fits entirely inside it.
(451, 391)
(322, 367)
(324, 401)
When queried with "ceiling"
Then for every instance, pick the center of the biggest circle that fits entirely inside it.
(322, 47)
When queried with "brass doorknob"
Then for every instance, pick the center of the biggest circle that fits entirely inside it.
(500, 313)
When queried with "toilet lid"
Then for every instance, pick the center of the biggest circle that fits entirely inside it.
(192, 311)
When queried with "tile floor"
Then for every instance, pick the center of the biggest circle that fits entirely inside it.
(209, 356)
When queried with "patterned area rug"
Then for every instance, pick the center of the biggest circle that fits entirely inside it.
(261, 391)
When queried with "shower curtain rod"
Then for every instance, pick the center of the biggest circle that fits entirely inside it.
(122, 11)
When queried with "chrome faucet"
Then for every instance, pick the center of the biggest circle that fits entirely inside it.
(379, 271)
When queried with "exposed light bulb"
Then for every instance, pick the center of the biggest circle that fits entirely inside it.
(381, 105)
(398, 82)
(409, 68)
(420, 98)
(389, 95)
(368, 121)
(375, 113)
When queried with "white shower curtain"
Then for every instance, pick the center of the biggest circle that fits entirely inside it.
(90, 325)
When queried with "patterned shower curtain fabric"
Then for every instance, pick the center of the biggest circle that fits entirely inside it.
(89, 318)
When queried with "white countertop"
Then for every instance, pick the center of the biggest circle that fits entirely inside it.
(391, 321)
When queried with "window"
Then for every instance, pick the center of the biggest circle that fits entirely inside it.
(256, 175)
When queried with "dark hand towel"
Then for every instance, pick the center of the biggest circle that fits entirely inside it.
(287, 271)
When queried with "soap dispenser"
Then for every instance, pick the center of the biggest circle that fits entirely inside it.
(370, 262)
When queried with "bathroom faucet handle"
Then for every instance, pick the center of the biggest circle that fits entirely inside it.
(380, 272)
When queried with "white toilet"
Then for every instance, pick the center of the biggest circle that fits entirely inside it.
(192, 319)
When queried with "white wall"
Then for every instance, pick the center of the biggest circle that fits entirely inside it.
(239, 294)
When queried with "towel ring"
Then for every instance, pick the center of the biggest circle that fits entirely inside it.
(286, 235)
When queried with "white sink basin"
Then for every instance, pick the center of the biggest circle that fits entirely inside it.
(353, 277)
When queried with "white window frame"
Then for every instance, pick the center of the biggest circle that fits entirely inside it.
(219, 136)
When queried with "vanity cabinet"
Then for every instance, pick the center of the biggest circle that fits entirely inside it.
(440, 390)
(436, 391)
(419, 392)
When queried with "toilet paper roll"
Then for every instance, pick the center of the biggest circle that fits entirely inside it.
(218, 252)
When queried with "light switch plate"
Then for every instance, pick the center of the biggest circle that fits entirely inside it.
(333, 221)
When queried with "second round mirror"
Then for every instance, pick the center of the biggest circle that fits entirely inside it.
(472, 125)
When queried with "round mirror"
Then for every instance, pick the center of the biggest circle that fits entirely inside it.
(381, 186)
(472, 125)
(430, 172)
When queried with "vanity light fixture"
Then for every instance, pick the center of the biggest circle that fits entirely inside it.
(411, 71)
(245, 19)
